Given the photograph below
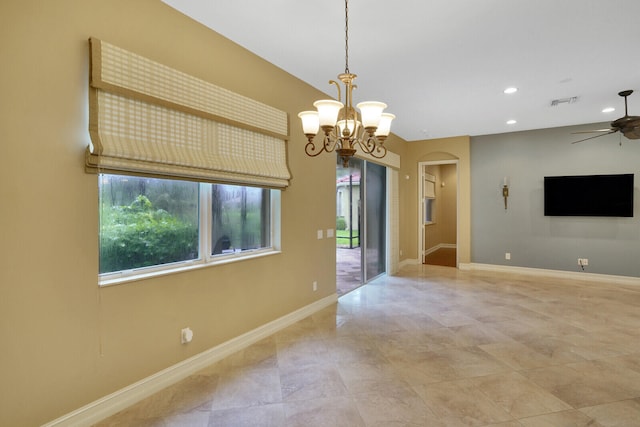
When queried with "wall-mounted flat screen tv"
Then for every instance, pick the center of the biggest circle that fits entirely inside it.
(589, 195)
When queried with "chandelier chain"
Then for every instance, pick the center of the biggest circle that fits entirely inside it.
(346, 36)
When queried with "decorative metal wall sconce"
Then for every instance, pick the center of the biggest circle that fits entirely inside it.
(505, 190)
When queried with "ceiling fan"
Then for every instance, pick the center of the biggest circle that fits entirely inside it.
(628, 125)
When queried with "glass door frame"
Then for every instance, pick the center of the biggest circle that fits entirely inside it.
(382, 230)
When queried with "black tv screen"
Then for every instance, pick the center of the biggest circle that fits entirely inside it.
(589, 195)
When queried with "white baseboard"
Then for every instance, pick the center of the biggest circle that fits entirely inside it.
(409, 261)
(439, 246)
(574, 275)
(123, 398)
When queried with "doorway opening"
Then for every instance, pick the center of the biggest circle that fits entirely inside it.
(438, 216)
(361, 218)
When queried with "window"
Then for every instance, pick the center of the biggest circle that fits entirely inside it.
(149, 120)
(146, 222)
(429, 188)
(240, 219)
(429, 210)
(151, 225)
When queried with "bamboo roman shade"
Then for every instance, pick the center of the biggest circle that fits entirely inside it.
(149, 119)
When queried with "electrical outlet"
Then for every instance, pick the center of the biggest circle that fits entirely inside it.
(583, 261)
(186, 335)
(315, 286)
(507, 255)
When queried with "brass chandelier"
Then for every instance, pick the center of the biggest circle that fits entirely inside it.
(343, 128)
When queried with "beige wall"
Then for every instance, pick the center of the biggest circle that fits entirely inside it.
(456, 148)
(66, 342)
(448, 196)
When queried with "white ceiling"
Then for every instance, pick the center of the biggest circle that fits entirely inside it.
(442, 65)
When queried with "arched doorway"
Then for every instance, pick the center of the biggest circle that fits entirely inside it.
(438, 212)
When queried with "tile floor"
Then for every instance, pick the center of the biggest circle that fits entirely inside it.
(433, 346)
(348, 270)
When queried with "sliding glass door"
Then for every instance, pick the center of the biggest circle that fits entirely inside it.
(361, 200)
(375, 189)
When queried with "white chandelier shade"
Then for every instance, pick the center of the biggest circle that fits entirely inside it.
(310, 122)
(328, 111)
(371, 111)
(384, 126)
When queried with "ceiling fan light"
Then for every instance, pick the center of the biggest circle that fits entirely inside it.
(310, 122)
(510, 90)
(609, 110)
(328, 111)
(371, 111)
(384, 127)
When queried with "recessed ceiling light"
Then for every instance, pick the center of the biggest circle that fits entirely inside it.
(511, 122)
(609, 110)
(511, 90)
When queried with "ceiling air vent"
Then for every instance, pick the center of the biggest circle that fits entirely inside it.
(560, 101)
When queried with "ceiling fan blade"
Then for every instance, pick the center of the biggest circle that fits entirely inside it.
(597, 136)
(595, 130)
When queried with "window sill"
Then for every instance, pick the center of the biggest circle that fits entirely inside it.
(136, 275)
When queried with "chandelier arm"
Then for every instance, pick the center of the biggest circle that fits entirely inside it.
(367, 145)
(360, 135)
(310, 149)
(364, 146)
(379, 152)
(350, 88)
(371, 146)
(333, 82)
(330, 141)
(333, 139)
(327, 145)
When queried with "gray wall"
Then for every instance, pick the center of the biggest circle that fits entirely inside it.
(612, 245)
